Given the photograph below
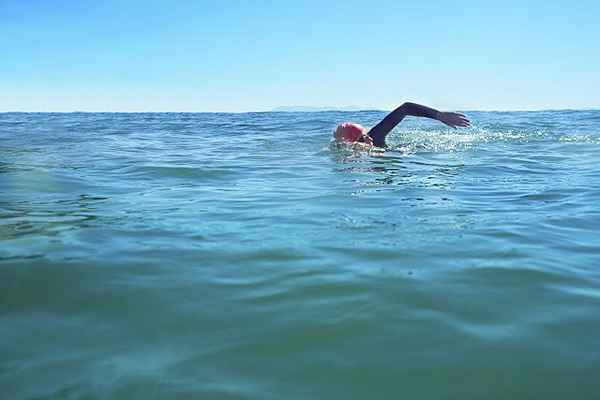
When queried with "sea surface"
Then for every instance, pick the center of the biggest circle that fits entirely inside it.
(242, 256)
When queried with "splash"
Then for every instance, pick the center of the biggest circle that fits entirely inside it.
(442, 140)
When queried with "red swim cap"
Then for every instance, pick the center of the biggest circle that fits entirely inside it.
(349, 132)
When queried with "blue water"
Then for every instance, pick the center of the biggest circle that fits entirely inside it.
(240, 256)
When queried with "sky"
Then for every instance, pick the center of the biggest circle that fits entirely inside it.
(238, 56)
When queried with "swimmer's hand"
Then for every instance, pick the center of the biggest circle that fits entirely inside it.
(453, 120)
(357, 146)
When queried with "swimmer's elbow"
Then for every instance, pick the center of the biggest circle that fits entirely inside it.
(417, 110)
(403, 109)
(407, 106)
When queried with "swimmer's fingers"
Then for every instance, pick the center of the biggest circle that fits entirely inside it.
(464, 122)
(454, 119)
(450, 125)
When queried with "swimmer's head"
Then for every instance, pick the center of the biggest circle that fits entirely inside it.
(350, 132)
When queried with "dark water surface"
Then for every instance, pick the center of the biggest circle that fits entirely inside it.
(239, 256)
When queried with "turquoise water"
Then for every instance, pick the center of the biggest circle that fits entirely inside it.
(239, 256)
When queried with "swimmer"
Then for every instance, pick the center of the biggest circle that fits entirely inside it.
(352, 133)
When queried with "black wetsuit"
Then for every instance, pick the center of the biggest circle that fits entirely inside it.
(381, 130)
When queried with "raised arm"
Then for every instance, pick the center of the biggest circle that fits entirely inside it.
(381, 130)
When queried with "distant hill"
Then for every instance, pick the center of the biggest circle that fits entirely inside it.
(313, 109)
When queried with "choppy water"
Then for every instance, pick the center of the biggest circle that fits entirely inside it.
(151, 256)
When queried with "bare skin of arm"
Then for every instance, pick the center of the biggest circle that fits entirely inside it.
(381, 130)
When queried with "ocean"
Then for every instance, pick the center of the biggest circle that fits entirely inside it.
(242, 256)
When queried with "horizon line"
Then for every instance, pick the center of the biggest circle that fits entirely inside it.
(286, 111)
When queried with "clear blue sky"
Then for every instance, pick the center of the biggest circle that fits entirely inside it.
(256, 55)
